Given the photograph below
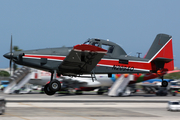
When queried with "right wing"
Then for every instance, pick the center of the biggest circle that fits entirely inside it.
(82, 59)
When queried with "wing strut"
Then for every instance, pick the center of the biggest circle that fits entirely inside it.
(93, 76)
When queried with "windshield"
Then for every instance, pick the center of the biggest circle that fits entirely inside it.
(95, 44)
(87, 42)
(109, 48)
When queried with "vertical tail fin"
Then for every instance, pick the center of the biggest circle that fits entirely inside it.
(160, 53)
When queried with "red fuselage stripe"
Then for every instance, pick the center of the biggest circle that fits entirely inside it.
(134, 64)
(45, 56)
(137, 65)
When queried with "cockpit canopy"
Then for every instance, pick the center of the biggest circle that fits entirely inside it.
(112, 48)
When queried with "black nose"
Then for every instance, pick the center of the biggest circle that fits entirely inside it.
(7, 55)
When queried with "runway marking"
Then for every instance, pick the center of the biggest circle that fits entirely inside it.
(57, 111)
(16, 116)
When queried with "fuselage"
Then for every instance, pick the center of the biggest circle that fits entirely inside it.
(49, 59)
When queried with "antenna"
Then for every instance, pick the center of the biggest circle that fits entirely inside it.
(139, 54)
(128, 54)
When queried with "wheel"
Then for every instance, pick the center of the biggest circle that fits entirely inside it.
(54, 85)
(47, 90)
(164, 83)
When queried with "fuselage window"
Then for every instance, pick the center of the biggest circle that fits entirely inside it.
(109, 48)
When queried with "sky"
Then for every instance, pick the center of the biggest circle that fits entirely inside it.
(133, 24)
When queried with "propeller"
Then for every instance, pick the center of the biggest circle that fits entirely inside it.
(11, 55)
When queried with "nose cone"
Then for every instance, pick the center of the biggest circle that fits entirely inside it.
(7, 55)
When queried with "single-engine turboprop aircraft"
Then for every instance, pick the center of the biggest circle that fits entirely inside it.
(95, 56)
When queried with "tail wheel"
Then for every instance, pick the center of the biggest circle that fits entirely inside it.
(47, 90)
(164, 83)
(54, 85)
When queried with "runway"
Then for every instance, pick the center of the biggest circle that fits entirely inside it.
(87, 107)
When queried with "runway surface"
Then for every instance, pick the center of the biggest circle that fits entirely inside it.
(87, 107)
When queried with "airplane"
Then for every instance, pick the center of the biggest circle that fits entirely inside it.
(95, 56)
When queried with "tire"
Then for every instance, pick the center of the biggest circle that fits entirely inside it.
(164, 83)
(54, 85)
(47, 90)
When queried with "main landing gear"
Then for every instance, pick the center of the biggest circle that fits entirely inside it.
(53, 86)
(164, 83)
(160, 73)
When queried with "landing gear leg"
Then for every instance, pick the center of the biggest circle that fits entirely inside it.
(53, 86)
(164, 83)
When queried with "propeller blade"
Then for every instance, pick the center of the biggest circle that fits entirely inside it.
(10, 65)
(11, 56)
(11, 46)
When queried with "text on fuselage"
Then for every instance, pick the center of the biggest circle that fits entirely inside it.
(123, 68)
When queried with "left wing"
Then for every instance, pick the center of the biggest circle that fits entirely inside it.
(81, 59)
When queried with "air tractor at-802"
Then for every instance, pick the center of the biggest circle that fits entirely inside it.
(96, 56)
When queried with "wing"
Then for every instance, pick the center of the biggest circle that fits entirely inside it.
(81, 59)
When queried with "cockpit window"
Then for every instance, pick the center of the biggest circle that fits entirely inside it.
(95, 44)
(109, 48)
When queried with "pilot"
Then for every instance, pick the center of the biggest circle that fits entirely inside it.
(95, 44)
(110, 50)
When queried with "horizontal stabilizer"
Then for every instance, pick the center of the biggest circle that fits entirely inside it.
(159, 59)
